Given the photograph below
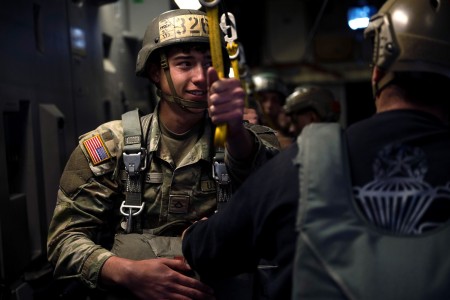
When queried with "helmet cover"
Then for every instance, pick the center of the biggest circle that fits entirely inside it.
(170, 28)
(320, 100)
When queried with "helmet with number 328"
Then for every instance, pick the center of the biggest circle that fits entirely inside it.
(172, 27)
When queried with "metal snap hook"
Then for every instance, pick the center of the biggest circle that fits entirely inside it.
(209, 4)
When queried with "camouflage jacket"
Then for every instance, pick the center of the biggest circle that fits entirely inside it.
(87, 212)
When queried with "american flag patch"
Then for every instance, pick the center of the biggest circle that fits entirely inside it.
(96, 149)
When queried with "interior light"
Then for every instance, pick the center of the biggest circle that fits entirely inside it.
(78, 39)
(188, 4)
(358, 16)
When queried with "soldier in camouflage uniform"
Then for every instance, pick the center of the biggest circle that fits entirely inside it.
(178, 181)
(270, 92)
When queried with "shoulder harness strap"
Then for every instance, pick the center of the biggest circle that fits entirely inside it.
(323, 173)
(220, 174)
(135, 160)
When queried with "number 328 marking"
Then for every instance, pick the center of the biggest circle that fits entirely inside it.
(183, 26)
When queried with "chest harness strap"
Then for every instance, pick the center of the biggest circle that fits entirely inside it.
(220, 174)
(135, 160)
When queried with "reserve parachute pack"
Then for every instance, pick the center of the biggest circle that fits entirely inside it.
(164, 242)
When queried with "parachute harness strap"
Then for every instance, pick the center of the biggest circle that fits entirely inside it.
(223, 181)
(135, 161)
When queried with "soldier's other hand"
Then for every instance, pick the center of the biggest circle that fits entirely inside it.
(164, 278)
(160, 278)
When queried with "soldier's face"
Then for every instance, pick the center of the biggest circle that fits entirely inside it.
(188, 72)
(271, 103)
(301, 119)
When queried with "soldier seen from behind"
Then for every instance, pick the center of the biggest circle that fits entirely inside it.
(360, 213)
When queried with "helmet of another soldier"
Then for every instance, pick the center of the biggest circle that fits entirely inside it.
(318, 99)
(269, 82)
(410, 36)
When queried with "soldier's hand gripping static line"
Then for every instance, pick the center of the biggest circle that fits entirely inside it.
(212, 12)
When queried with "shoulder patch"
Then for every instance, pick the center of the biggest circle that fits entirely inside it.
(95, 147)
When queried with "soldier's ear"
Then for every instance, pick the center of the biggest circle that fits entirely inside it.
(154, 72)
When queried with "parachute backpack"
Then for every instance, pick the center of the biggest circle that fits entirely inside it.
(339, 255)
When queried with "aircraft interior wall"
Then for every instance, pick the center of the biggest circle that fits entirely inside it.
(54, 86)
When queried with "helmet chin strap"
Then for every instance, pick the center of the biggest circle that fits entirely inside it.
(183, 103)
(380, 84)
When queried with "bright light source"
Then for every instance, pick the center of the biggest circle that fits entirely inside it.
(78, 39)
(358, 16)
(358, 23)
(188, 4)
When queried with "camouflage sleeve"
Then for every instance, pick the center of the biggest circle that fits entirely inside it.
(267, 146)
(86, 208)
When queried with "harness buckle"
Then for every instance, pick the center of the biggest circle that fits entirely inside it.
(220, 173)
(133, 161)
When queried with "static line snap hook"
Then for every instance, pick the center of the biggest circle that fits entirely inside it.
(209, 4)
(229, 29)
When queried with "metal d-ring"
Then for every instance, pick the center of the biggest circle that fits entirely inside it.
(234, 55)
(209, 4)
